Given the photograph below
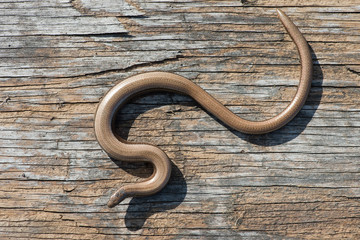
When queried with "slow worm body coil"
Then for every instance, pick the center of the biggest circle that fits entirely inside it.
(154, 81)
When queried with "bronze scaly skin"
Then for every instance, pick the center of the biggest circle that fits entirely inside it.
(154, 81)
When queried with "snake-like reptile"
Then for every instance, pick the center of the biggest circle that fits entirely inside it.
(159, 81)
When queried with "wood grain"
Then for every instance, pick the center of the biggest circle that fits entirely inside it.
(58, 58)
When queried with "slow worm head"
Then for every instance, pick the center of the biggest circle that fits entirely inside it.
(154, 81)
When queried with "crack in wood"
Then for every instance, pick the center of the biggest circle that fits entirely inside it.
(353, 71)
(126, 69)
(7, 99)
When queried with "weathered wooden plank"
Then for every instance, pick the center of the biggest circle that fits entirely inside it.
(58, 58)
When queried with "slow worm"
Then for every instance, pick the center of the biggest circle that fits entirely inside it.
(154, 81)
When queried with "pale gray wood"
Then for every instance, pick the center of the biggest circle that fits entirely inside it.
(58, 58)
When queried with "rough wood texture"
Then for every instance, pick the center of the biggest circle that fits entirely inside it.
(59, 57)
